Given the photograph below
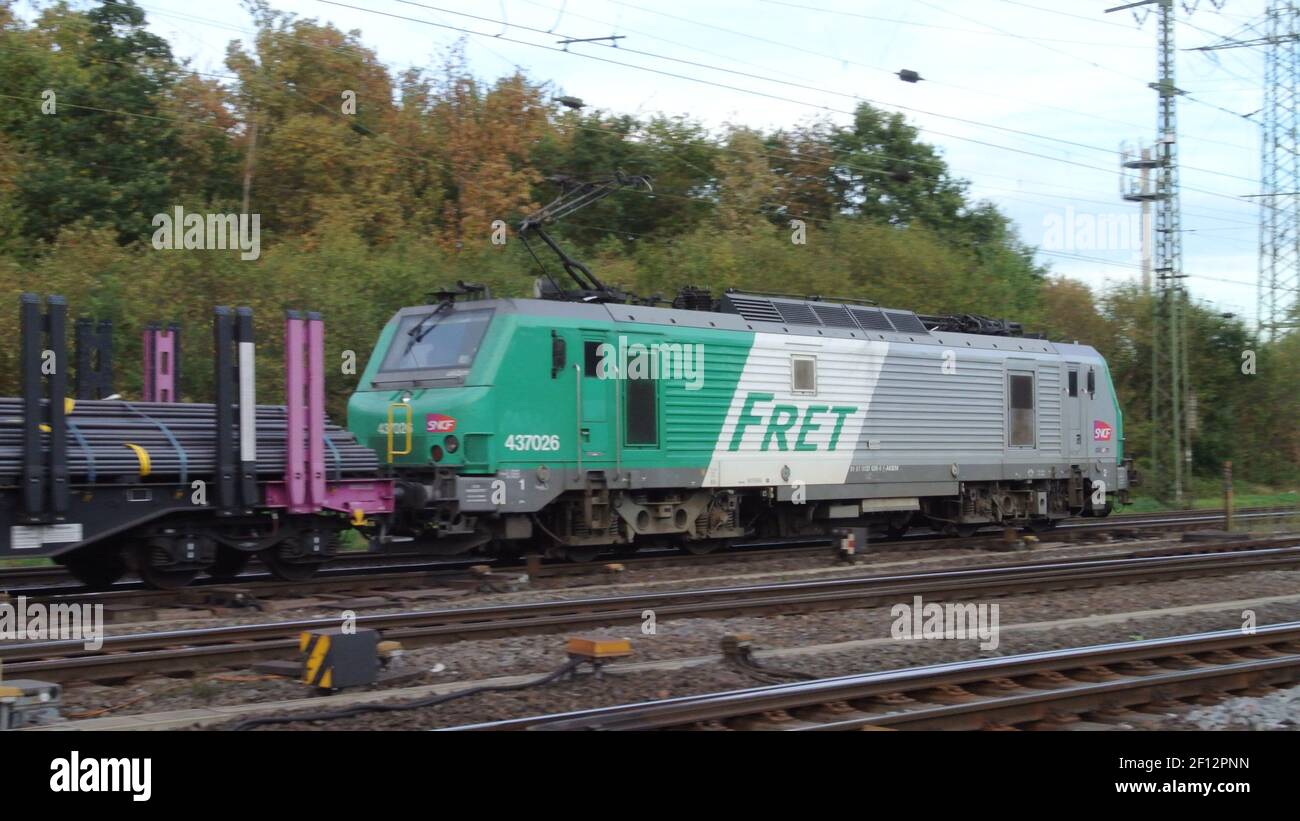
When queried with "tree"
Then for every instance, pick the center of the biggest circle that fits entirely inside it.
(105, 153)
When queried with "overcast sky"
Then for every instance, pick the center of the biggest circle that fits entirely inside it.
(1029, 100)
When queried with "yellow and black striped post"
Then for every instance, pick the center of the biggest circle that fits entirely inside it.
(333, 659)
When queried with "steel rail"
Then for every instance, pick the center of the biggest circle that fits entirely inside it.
(973, 693)
(54, 580)
(186, 649)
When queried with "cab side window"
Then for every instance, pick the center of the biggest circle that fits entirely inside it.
(1020, 399)
(642, 412)
(591, 358)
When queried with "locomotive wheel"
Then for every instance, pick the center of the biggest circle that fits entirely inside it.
(898, 526)
(896, 532)
(286, 570)
(151, 564)
(229, 564)
(96, 569)
(701, 547)
(1042, 525)
(962, 531)
(583, 553)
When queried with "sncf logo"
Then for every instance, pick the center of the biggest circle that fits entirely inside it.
(1101, 432)
(437, 423)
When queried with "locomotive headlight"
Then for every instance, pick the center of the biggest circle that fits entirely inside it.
(451, 443)
(435, 453)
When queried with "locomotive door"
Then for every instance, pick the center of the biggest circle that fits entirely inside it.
(597, 397)
(1074, 399)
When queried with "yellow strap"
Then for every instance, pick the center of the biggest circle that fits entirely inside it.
(68, 404)
(142, 455)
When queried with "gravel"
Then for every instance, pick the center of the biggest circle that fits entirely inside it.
(470, 661)
(682, 638)
(1279, 710)
(816, 564)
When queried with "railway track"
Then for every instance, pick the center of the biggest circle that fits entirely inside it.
(375, 571)
(1047, 690)
(125, 655)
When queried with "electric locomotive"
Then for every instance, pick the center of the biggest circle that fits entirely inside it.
(588, 425)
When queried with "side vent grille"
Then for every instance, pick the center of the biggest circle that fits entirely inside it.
(834, 316)
(757, 310)
(796, 313)
(821, 314)
(870, 319)
(907, 323)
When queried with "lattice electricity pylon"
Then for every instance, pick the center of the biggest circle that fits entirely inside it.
(1279, 240)
(1279, 196)
(1171, 441)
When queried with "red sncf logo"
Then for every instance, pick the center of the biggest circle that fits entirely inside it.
(1101, 431)
(437, 423)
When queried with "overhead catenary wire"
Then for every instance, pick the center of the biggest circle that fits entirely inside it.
(741, 89)
(442, 165)
(802, 158)
(806, 87)
(938, 81)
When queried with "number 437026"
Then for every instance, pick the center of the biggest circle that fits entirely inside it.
(527, 441)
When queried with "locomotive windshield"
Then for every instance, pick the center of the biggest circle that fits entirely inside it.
(425, 342)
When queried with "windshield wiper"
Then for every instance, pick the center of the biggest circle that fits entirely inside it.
(419, 332)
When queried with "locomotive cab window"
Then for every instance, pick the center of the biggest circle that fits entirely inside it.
(803, 374)
(436, 340)
(559, 354)
(642, 412)
(1074, 383)
(591, 358)
(1020, 399)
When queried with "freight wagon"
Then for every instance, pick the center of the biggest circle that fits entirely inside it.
(171, 489)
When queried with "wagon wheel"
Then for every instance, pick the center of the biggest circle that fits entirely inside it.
(288, 570)
(96, 568)
(156, 570)
(229, 564)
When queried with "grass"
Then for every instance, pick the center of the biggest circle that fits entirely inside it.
(8, 563)
(1209, 494)
(350, 541)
